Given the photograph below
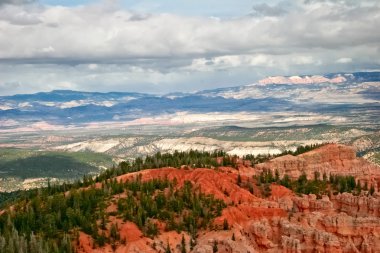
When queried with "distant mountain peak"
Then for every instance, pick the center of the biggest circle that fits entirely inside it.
(301, 79)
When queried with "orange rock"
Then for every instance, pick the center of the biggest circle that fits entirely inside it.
(283, 222)
(331, 159)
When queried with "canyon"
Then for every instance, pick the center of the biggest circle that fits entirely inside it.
(281, 221)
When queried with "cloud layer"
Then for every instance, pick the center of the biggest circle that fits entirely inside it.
(82, 47)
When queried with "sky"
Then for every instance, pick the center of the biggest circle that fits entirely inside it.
(180, 45)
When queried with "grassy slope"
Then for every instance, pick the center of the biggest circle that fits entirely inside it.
(23, 163)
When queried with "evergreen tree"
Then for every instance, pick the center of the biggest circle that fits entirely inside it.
(324, 177)
(225, 224)
(66, 244)
(193, 242)
(183, 244)
(372, 190)
(239, 180)
(316, 175)
(168, 250)
(359, 188)
(215, 246)
(285, 181)
(277, 176)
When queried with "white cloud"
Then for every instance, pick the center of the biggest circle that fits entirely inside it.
(48, 49)
(102, 43)
(266, 10)
(65, 85)
(92, 66)
(97, 32)
(19, 15)
(302, 60)
(16, 2)
(231, 61)
(344, 60)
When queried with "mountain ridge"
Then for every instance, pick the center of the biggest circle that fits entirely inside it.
(347, 101)
(355, 76)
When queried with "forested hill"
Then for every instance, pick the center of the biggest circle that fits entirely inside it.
(54, 219)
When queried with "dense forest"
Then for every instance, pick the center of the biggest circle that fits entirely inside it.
(25, 163)
(48, 222)
(320, 185)
(49, 219)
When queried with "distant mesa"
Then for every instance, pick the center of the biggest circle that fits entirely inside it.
(301, 80)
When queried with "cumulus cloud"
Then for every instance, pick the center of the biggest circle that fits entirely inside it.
(19, 15)
(125, 49)
(346, 2)
(16, 2)
(267, 10)
(344, 60)
(96, 32)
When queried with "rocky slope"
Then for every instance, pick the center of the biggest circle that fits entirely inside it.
(301, 80)
(279, 222)
(137, 146)
(331, 159)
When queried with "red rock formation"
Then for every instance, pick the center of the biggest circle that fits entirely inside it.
(310, 203)
(333, 159)
(282, 222)
(221, 185)
(357, 205)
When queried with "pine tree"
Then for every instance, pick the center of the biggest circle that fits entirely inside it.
(324, 177)
(114, 233)
(372, 190)
(215, 247)
(359, 188)
(66, 244)
(277, 175)
(2, 244)
(239, 179)
(285, 181)
(101, 240)
(193, 242)
(183, 244)
(33, 245)
(225, 224)
(10, 247)
(316, 175)
(168, 250)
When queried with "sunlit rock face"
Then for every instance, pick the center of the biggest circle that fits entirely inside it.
(280, 222)
(331, 159)
(301, 80)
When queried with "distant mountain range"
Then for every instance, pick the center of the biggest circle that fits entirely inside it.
(348, 96)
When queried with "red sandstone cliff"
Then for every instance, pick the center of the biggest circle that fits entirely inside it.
(282, 222)
(333, 159)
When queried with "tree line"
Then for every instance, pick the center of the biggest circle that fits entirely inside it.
(319, 185)
(260, 158)
(49, 222)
